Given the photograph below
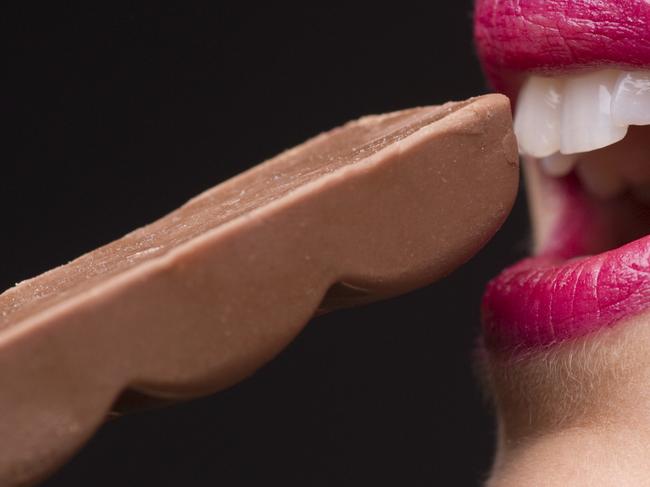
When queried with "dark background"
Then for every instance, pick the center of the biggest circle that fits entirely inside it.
(118, 116)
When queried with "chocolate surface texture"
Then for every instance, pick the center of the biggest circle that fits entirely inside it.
(200, 299)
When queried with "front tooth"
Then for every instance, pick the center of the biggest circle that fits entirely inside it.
(558, 164)
(537, 120)
(586, 113)
(631, 99)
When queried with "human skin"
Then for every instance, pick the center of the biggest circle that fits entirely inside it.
(576, 414)
(575, 411)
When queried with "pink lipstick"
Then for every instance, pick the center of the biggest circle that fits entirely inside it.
(555, 36)
(541, 301)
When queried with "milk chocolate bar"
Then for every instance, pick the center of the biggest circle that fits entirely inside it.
(200, 299)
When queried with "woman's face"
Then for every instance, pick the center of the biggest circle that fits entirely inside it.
(566, 331)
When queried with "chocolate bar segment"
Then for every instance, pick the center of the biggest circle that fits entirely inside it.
(200, 299)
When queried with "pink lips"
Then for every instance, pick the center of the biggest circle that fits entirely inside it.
(559, 294)
(542, 300)
(513, 36)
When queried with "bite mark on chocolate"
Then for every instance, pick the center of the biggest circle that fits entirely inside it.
(201, 298)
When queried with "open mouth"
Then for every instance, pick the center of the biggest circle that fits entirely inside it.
(579, 72)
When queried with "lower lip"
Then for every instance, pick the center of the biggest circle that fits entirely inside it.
(555, 296)
(545, 300)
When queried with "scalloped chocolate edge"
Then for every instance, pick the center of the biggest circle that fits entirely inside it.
(200, 299)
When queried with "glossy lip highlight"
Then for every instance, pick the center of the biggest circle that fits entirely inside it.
(558, 36)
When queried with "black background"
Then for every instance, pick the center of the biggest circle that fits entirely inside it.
(117, 116)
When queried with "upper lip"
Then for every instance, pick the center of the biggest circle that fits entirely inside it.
(556, 36)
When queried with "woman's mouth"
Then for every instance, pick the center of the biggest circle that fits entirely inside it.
(580, 71)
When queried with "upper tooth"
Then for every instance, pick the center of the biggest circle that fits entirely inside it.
(586, 113)
(631, 99)
(579, 113)
(558, 164)
(537, 121)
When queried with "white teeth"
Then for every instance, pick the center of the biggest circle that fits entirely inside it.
(631, 99)
(569, 115)
(558, 164)
(587, 122)
(537, 121)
